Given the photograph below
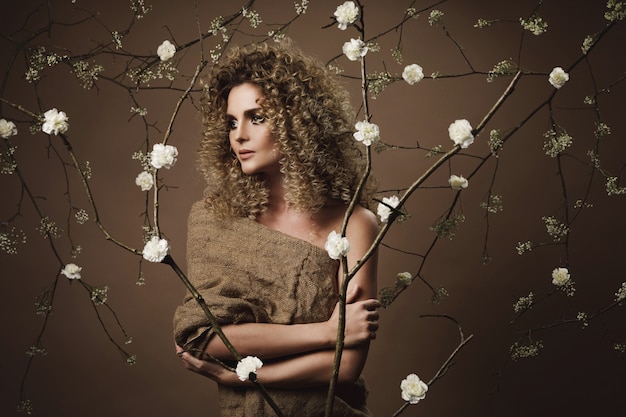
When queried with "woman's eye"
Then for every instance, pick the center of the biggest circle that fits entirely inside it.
(256, 119)
(232, 124)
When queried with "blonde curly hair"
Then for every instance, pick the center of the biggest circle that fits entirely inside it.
(309, 114)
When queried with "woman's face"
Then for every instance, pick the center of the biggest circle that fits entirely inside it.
(250, 136)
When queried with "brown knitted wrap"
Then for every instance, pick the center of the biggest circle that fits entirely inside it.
(247, 272)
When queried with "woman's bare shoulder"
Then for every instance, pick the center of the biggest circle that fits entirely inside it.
(361, 221)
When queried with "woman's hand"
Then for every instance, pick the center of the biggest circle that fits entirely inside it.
(361, 319)
(209, 369)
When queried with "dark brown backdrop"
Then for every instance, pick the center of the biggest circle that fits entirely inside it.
(577, 373)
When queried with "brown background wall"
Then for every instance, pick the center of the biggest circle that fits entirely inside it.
(577, 373)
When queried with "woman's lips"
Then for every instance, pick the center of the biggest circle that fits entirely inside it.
(245, 154)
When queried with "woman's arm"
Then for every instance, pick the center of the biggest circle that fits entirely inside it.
(302, 371)
(305, 352)
(268, 340)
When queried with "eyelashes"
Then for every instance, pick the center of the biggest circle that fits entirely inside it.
(255, 119)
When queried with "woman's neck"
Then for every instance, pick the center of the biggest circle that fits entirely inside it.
(277, 203)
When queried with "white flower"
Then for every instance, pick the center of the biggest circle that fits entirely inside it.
(72, 271)
(155, 249)
(560, 276)
(246, 366)
(355, 49)
(413, 74)
(144, 180)
(413, 389)
(366, 132)
(558, 77)
(163, 156)
(346, 14)
(458, 182)
(166, 50)
(383, 210)
(336, 245)
(404, 278)
(55, 122)
(7, 128)
(461, 133)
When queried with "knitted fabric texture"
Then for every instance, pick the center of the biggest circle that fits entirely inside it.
(247, 272)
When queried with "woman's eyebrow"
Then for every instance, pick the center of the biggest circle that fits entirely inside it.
(247, 113)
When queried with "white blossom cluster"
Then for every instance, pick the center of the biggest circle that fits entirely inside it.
(413, 389)
(346, 14)
(246, 366)
(155, 249)
(336, 245)
(438, 294)
(558, 77)
(602, 130)
(25, 407)
(166, 50)
(48, 227)
(436, 150)
(378, 81)
(254, 19)
(163, 156)
(38, 60)
(7, 129)
(524, 303)
(355, 49)
(616, 11)
(435, 18)
(144, 180)
(505, 67)
(495, 141)
(55, 122)
(71, 271)
(366, 132)
(588, 42)
(142, 75)
(519, 351)
(117, 39)
(560, 276)
(301, 8)
(523, 247)
(535, 25)
(385, 208)
(140, 8)
(87, 73)
(36, 350)
(494, 205)
(8, 164)
(460, 132)
(99, 295)
(412, 74)
(445, 228)
(482, 23)
(81, 216)
(9, 239)
(612, 188)
(555, 228)
(458, 182)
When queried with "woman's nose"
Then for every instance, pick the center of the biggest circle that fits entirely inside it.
(241, 134)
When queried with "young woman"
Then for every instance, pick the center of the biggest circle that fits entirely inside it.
(281, 166)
